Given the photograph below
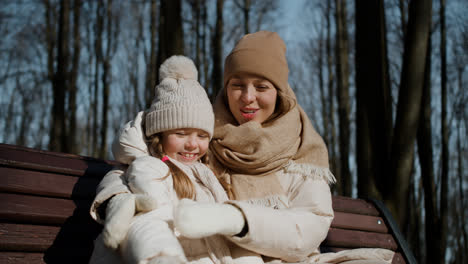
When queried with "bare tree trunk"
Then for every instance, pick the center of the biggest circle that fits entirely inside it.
(73, 77)
(111, 46)
(331, 96)
(25, 114)
(402, 7)
(171, 38)
(323, 99)
(206, 78)
(59, 85)
(152, 69)
(343, 94)
(425, 150)
(217, 47)
(374, 103)
(246, 16)
(88, 137)
(99, 57)
(197, 35)
(442, 228)
(408, 109)
(461, 171)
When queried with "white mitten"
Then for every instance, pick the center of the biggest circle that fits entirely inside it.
(145, 203)
(198, 220)
(119, 213)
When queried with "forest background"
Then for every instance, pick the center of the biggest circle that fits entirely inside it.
(384, 83)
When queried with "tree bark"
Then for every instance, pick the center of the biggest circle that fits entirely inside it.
(408, 109)
(442, 225)
(99, 57)
(424, 139)
(59, 85)
(206, 77)
(246, 11)
(342, 69)
(111, 46)
(171, 38)
(331, 95)
(323, 98)
(152, 69)
(217, 47)
(374, 103)
(72, 146)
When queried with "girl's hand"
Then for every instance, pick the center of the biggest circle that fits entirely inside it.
(119, 213)
(198, 220)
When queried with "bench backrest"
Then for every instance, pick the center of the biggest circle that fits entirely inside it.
(45, 199)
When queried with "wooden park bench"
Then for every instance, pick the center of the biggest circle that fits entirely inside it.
(45, 199)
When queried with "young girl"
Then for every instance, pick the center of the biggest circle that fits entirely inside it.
(178, 127)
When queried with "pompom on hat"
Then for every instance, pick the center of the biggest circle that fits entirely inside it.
(180, 101)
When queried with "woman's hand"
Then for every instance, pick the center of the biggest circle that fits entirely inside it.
(198, 220)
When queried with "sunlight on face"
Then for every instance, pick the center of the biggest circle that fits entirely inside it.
(186, 145)
(251, 98)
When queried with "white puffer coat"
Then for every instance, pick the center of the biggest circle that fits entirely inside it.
(275, 231)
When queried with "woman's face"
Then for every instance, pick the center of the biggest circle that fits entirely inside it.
(251, 97)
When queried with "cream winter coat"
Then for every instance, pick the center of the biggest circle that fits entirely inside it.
(288, 230)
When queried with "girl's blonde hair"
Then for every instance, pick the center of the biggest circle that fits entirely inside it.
(183, 186)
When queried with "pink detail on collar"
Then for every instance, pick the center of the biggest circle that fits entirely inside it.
(165, 158)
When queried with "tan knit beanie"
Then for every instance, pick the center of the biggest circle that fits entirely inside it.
(262, 53)
(180, 102)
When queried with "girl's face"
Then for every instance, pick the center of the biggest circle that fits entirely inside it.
(251, 97)
(186, 145)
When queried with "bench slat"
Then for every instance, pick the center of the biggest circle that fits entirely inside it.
(359, 222)
(40, 210)
(41, 238)
(397, 258)
(29, 238)
(21, 257)
(67, 164)
(353, 206)
(47, 184)
(356, 239)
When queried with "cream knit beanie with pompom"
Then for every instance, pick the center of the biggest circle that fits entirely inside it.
(180, 102)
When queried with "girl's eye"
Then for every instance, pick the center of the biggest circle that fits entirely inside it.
(180, 133)
(203, 136)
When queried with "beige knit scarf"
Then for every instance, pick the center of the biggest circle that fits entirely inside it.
(246, 157)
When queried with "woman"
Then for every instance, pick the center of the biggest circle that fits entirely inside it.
(271, 161)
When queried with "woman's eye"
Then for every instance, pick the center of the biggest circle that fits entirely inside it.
(263, 87)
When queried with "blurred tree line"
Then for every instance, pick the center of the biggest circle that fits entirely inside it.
(384, 83)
